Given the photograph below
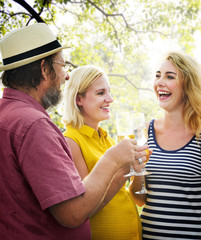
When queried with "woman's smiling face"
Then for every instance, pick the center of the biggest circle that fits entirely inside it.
(95, 104)
(168, 86)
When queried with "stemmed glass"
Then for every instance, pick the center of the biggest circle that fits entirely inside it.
(125, 130)
(140, 132)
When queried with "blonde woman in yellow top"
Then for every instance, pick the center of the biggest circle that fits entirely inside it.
(87, 103)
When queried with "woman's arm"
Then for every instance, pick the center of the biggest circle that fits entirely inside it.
(78, 158)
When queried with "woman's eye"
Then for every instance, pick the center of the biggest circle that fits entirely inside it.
(157, 76)
(100, 93)
(170, 77)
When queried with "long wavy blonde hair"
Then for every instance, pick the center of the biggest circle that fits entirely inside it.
(80, 80)
(191, 84)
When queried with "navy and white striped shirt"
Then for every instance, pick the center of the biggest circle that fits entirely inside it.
(173, 205)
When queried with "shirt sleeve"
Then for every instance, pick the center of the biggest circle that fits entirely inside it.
(72, 133)
(47, 165)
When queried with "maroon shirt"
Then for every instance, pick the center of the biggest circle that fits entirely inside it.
(36, 172)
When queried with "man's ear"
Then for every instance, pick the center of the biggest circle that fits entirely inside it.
(79, 100)
(43, 70)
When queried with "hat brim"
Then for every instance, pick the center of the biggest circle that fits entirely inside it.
(30, 60)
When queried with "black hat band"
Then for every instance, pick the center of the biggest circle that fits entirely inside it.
(34, 52)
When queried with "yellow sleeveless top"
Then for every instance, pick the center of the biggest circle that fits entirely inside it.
(119, 219)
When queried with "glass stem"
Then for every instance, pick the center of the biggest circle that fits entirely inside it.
(143, 186)
(132, 169)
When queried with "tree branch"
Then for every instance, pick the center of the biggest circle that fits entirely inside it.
(33, 13)
(127, 25)
(129, 81)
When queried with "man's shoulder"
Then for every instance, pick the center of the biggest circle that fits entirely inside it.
(28, 112)
(20, 105)
(20, 116)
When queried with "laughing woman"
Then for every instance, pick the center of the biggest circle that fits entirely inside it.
(87, 103)
(172, 207)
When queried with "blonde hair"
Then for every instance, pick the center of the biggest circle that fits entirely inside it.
(191, 84)
(80, 80)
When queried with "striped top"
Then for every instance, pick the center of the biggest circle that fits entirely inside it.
(173, 205)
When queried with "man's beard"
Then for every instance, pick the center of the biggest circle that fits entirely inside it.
(51, 98)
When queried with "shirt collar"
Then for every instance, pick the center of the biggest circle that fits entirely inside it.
(90, 132)
(14, 94)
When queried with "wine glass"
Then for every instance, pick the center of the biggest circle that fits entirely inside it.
(140, 132)
(124, 130)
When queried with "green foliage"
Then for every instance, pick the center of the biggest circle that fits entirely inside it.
(56, 118)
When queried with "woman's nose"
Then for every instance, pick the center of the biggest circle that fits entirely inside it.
(160, 81)
(109, 98)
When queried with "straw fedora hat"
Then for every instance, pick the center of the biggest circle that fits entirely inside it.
(26, 45)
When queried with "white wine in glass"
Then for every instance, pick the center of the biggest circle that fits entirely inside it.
(140, 132)
(124, 130)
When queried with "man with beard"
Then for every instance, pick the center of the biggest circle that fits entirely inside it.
(42, 195)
